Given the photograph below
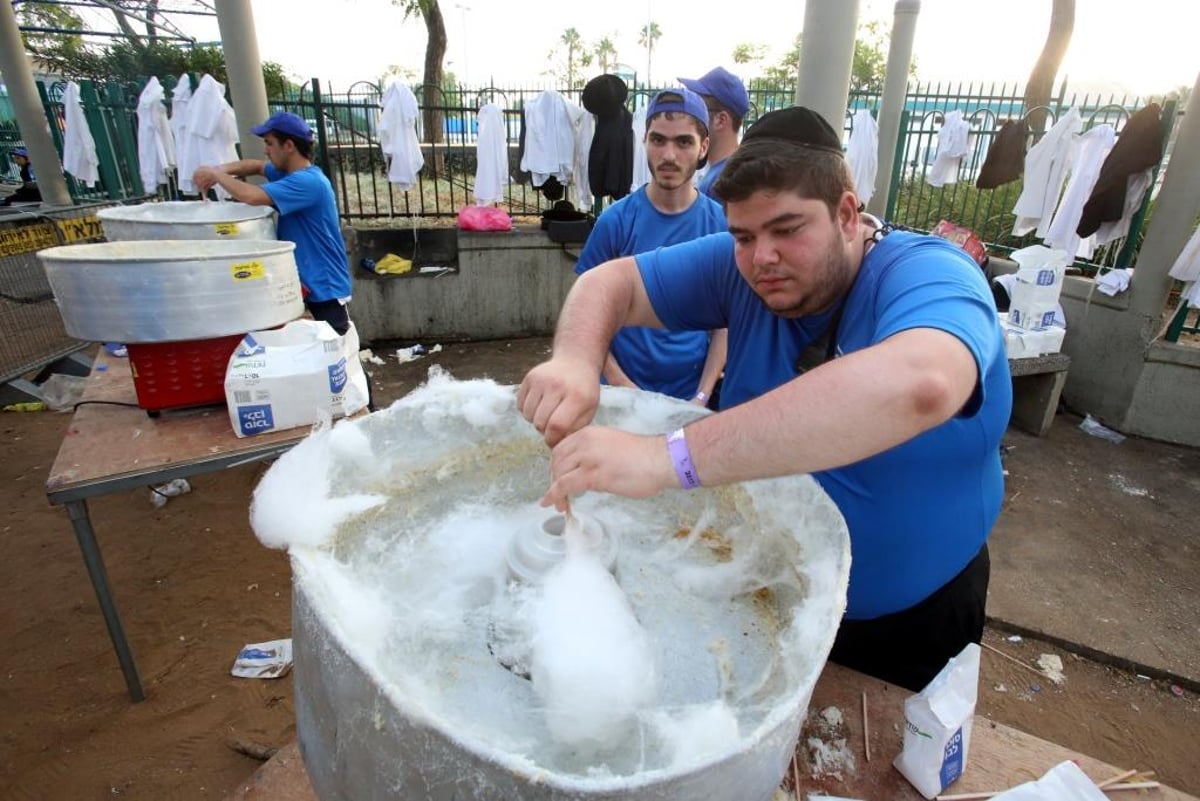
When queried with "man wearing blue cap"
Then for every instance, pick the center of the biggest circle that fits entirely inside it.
(727, 103)
(308, 215)
(667, 210)
(28, 192)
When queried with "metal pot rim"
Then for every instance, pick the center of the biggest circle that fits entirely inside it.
(175, 250)
(143, 212)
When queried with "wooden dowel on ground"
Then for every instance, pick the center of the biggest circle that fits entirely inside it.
(796, 777)
(1120, 777)
(866, 728)
(1112, 788)
(1013, 659)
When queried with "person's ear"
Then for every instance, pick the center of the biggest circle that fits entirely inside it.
(847, 214)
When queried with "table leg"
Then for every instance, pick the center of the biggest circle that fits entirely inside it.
(78, 512)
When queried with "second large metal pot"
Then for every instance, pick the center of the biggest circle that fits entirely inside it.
(187, 219)
(173, 291)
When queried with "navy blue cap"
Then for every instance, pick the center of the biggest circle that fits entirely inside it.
(286, 123)
(19, 151)
(679, 99)
(724, 87)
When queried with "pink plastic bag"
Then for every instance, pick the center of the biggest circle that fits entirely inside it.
(483, 218)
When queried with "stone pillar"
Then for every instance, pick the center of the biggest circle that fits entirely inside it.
(895, 92)
(826, 58)
(246, 86)
(1175, 212)
(31, 117)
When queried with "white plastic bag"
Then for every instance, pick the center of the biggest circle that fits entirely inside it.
(290, 376)
(937, 725)
(1037, 285)
(1064, 782)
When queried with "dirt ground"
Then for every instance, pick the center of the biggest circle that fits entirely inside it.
(193, 585)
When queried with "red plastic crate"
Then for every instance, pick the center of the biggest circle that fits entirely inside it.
(175, 375)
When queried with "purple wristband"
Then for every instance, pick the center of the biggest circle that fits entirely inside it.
(681, 458)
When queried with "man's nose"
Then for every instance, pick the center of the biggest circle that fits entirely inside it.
(765, 252)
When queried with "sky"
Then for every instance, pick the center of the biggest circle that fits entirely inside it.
(1147, 46)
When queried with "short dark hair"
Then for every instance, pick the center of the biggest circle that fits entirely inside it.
(715, 106)
(303, 146)
(777, 165)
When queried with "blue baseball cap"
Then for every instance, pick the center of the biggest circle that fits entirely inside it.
(286, 123)
(679, 99)
(19, 151)
(724, 87)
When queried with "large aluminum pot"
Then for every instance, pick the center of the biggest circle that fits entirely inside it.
(416, 674)
(187, 219)
(173, 291)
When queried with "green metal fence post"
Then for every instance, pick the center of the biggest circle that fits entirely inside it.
(319, 115)
(109, 174)
(897, 166)
(124, 124)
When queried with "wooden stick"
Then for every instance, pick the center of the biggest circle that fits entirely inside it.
(1120, 777)
(866, 727)
(990, 793)
(796, 777)
(1012, 659)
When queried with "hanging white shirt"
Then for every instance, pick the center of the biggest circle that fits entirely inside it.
(211, 133)
(584, 123)
(1187, 268)
(549, 139)
(862, 154)
(156, 143)
(641, 167)
(79, 148)
(1091, 148)
(181, 97)
(1045, 171)
(398, 135)
(491, 156)
(952, 146)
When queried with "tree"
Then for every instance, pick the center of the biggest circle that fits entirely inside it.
(435, 56)
(647, 36)
(1041, 79)
(50, 49)
(577, 55)
(606, 54)
(748, 53)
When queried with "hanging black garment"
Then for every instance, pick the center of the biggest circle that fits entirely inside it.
(1138, 148)
(1005, 161)
(610, 161)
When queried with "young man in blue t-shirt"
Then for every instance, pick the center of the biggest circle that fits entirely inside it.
(308, 215)
(666, 211)
(872, 360)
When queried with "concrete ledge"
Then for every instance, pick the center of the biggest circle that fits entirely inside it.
(1037, 387)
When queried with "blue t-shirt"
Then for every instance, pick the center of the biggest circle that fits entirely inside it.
(710, 177)
(308, 216)
(669, 362)
(919, 512)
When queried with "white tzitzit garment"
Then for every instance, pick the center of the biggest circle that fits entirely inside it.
(398, 135)
(584, 123)
(181, 97)
(641, 167)
(1092, 147)
(549, 139)
(862, 154)
(211, 133)
(952, 146)
(491, 156)
(79, 148)
(1045, 172)
(1187, 268)
(156, 143)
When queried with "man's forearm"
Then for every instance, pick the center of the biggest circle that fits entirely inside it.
(839, 413)
(242, 191)
(243, 168)
(714, 362)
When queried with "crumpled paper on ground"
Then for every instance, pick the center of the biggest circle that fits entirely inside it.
(264, 660)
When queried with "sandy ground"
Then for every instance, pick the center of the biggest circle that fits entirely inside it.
(193, 585)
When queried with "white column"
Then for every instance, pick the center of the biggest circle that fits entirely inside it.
(895, 92)
(246, 86)
(31, 116)
(826, 58)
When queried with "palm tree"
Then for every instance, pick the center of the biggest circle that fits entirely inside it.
(571, 38)
(606, 54)
(647, 36)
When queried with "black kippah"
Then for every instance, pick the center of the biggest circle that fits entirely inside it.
(798, 125)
